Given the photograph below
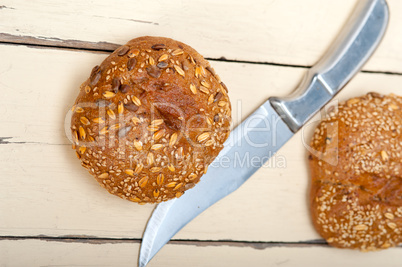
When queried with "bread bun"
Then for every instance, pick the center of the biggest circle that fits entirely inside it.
(357, 203)
(150, 119)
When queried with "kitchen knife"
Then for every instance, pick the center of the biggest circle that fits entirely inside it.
(271, 126)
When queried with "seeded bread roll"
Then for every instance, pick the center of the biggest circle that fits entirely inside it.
(150, 119)
(357, 202)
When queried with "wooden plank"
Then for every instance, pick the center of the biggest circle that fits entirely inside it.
(41, 179)
(34, 106)
(52, 195)
(287, 32)
(49, 253)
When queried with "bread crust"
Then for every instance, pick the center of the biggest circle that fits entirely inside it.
(357, 203)
(150, 119)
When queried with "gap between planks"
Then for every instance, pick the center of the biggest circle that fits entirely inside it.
(187, 242)
(8, 141)
(106, 47)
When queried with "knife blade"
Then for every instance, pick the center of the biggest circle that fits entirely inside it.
(228, 172)
(265, 131)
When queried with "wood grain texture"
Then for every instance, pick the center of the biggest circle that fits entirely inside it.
(60, 198)
(287, 32)
(50, 253)
(53, 213)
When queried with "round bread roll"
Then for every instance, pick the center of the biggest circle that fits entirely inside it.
(150, 119)
(356, 170)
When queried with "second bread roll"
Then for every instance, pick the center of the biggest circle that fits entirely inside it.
(356, 169)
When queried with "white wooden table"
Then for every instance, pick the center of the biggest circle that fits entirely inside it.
(53, 213)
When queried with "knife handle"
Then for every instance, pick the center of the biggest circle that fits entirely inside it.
(352, 48)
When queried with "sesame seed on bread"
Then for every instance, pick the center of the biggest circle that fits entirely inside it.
(150, 119)
(356, 201)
